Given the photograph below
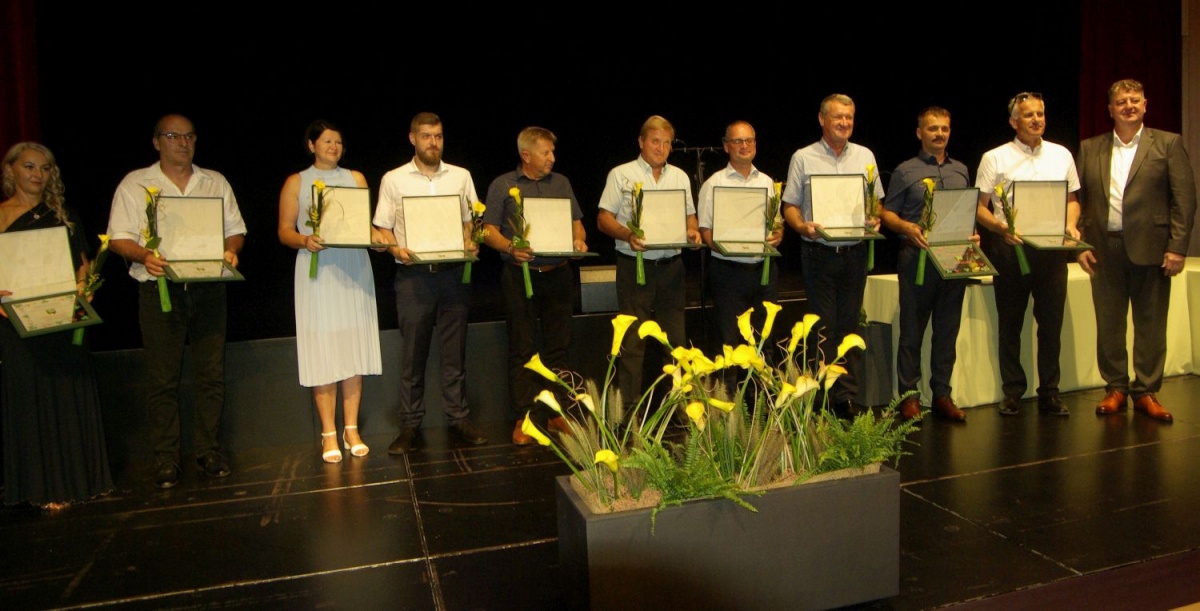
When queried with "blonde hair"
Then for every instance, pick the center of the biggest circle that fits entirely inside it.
(52, 194)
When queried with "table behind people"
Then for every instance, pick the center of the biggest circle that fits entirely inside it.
(976, 378)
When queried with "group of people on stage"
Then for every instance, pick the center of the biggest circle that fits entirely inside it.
(1131, 196)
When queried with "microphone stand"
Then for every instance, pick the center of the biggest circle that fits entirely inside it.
(700, 151)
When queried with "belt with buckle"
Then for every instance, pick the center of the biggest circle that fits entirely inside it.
(649, 261)
(541, 268)
(836, 249)
(433, 268)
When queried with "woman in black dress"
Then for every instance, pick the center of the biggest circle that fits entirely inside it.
(54, 450)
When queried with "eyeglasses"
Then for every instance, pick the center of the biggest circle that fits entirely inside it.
(740, 141)
(173, 136)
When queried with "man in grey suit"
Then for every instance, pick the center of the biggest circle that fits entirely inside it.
(1139, 199)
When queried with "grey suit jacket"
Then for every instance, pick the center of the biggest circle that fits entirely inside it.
(1160, 196)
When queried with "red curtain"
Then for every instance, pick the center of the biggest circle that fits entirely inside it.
(19, 118)
(1140, 40)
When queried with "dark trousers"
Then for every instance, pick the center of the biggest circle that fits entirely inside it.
(834, 279)
(426, 300)
(662, 299)
(553, 304)
(1047, 285)
(196, 319)
(937, 299)
(737, 287)
(1116, 285)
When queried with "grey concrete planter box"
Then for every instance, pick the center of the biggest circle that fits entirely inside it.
(814, 546)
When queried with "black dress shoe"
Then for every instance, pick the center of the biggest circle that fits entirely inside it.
(1010, 407)
(404, 441)
(466, 429)
(1052, 406)
(167, 475)
(213, 464)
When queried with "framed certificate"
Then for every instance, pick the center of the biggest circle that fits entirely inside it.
(664, 219)
(950, 246)
(1042, 214)
(40, 274)
(433, 229)
(740, 223)
(346, 222)
(551, 228)
(193, 239)
(838, 202)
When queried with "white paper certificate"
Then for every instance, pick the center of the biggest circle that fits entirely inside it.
(36, 262)
(191, 228)
(954, 215)
(346, 221)
(1041, 206)
(739, 214)
(664, 218)
(433, 223)
(550, 224)
(838, 200)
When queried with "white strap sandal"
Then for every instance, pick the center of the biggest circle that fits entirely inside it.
(331, 456)
(359, 449)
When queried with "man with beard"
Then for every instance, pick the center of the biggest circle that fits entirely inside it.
(429, 296)
(937, 298)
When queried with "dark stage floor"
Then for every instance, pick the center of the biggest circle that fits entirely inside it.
(992, 507)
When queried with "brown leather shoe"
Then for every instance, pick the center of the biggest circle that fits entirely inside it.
(560, 425)
(910, 409)
(519, 437)
(1113, 402)
(1149, 405)
(945, 407)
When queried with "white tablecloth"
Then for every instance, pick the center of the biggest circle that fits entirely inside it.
(976, 379)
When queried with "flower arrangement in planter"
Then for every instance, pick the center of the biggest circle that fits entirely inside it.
(688, 437)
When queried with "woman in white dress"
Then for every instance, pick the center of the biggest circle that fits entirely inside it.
(337, 327)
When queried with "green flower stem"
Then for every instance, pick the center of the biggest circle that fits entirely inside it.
(641, 270)
(921, 267)
(1021, 261)
(312, 265)
(77, 339)
(766, 273)
(528, 283)
(164, 297)
(870, 255)
(466, 277)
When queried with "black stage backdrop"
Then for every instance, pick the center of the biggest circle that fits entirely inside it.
(251, 87)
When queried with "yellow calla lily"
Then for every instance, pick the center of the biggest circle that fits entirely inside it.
(535, 364)
(772, 310)
(637, 189)
(652, 329)
(778, 189)
(743, 322)
(103, 241)
(725, 406)
(548, 398)
(587, 401)
(870, 173)
(744, 355)
(852, 340)
(152, 190)
(695, 411)
(515, 193)
(620, 324)
(930, 185)
(805, 384)
(670, 369)
(999, 190)
(801, 330)
(608, 458)
(479, 208)
(528, 428)
(319, 184)
(832, 373)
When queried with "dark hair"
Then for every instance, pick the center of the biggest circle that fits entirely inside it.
(316, 128)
